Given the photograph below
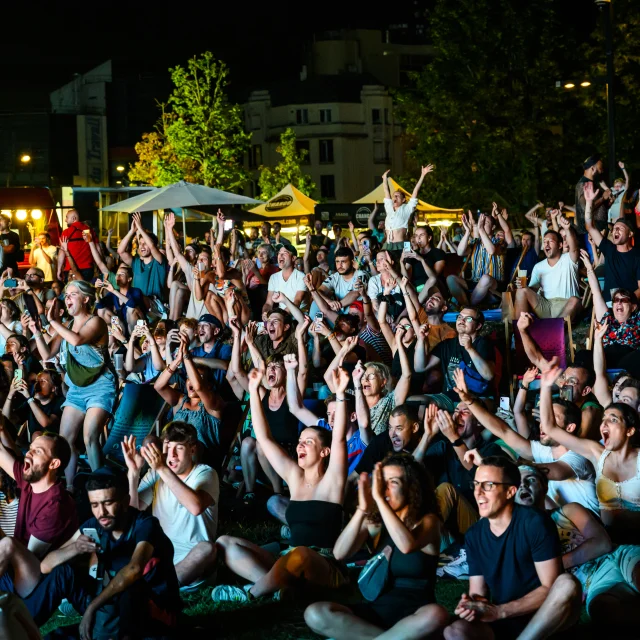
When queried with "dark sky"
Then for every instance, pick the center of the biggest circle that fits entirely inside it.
(44, 43)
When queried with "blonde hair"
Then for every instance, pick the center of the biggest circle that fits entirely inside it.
(382, 370)
(85, 288)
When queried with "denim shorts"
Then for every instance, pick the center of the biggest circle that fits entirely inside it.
(100, 394)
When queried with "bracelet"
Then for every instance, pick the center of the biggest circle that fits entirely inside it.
(521, 385)
(459, 442)
(30, 400)
(341, 399)
(366, 513)
(358, 387)
(37, 335)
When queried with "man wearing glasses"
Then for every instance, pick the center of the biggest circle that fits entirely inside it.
(516, 580)
(468, 351)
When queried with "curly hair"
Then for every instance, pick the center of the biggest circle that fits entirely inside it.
(418, 487)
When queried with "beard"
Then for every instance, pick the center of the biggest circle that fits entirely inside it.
(34, 474)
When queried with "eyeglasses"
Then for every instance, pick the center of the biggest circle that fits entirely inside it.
(624, 300)
(370, 376)
(406, 327)
(486, 486)
(468, 319)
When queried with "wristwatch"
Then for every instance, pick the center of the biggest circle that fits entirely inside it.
(457, 443)
(521, 386)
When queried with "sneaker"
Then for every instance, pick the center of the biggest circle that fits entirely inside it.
(285, 532)
(459, 568)
(66, 609)
(229, 593)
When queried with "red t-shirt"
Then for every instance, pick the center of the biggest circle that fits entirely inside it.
(78, 248)
(50, 516)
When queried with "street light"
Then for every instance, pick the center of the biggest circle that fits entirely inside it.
(120, 168)
(21, 214)
(569, 85)
(586, 83)
(25, 158)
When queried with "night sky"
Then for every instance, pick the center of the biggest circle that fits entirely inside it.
(44, 43)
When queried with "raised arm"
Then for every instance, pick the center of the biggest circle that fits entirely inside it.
(294, 398)
(463, 245)
(589, 196)
(423, 173)
(362, 408)
(484, 237)
(347, 346)
(382, 318)
(504, 225)
(587, 448)
(371, 221)
(282, 463)
(499, 428)
(626, 177)
(155, 252)
(599, 305)
(97, 256)
(123, 247)
(385, 184)
(532, 215)
(73, 267)
(338, 460)
(572, 238)
(210, 398)
(601, 386)
(294, 310)
(519, 413)
(421, 358)
(531, 349)
(235, 366)
(404, 382)
(170, 395)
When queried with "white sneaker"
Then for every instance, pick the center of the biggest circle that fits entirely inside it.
(229, 593)
(459, 568)
(66, 609)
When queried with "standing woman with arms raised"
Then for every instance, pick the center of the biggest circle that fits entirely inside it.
(317, 481)
(90, 377)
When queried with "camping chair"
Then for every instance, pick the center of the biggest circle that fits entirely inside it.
(549, 335)
(139, 409)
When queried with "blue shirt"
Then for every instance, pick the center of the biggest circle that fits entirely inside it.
(221, 351)
(355, 445)
(151, 278)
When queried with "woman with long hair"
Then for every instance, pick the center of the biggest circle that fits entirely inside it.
(399, 514)
(316, 481)
(90, 377)
(616, 460)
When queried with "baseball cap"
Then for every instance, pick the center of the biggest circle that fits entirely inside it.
(626, 223)
(290, 248)
(210, 319)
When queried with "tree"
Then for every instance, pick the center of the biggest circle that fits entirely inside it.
(288, 170)
(485, 110)
(200, 135)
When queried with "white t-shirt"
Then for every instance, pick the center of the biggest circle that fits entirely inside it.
(289, 287)
(375, 287)
(559, 281)
(195, 309)
(183, 528)
(581, 489)
(614, 209)
(14, 327)
(341, 287)
(41, 262)
(398, 218)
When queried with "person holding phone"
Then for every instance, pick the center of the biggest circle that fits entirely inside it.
(122, 301)
(32, 293)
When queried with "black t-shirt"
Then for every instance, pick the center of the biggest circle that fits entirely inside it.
(418, 274)
(160, 572)
(375, 452)
(444, 465)
(621, 269)
(417, 379)
(10, 259)
(507, 562)
(53, 408)
(451, 354)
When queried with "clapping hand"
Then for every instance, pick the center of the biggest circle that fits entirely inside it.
(446, 425)
(153, 456)
(137, 221)
(549, 376)
(430, 422)
(529, 376)
(340, 379)
(357, 374)
(132, 456)
(379, 485)
(365, 499)
(169, 220)
(460, 385)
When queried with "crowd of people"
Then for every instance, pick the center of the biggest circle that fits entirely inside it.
(375, 433)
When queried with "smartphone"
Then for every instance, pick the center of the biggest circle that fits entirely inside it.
(566, 393)
(319, 317)
(407, 247)
(92, 533)
(365, 243)
(114, 320)
(17, 374)
(140, 323)
(10, 282)
(504, 403)
(261, 328)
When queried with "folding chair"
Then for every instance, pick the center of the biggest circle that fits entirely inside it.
(549, 335)
(139, 409)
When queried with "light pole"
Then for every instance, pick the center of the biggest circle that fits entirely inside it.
(606, 9)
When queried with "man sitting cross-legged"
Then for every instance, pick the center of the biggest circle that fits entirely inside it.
(515, 559)
(183, 496)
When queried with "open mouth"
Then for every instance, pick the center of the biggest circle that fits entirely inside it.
(605, 437)
(397, 444)
(366, 387)
(525, 496)
(482, 503)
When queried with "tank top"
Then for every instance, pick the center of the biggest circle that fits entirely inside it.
(314, 523)
(414, 566)
(283, 424)
(617, 495)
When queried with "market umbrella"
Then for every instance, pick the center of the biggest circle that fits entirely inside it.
(181, 195)
(287, 202)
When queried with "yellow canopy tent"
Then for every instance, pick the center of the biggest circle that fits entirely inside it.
(428, 212)
(288, 203)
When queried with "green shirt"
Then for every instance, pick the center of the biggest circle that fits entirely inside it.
(151, 278)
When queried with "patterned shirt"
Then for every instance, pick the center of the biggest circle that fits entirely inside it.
(482, 262)
(380, 412)
(627, 333)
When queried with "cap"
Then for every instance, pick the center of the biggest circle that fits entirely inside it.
(625, 222)
(290, 248)
(590, 161)
(210, 319)
(358, 306)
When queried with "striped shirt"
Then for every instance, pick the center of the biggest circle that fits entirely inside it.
(482, 262)
(378, 342)
(8, 514)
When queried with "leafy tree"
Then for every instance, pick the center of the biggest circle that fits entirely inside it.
(485, 110)
(200, 135)
(288, 170)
